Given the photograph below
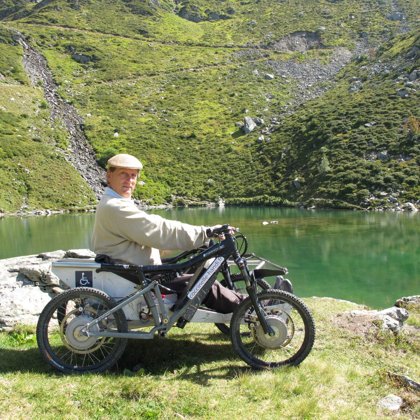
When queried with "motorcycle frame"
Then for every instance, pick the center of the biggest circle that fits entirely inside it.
(187, 305)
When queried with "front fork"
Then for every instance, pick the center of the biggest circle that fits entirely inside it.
(251, 288)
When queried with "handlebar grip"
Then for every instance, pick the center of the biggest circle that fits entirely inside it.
(214, 233)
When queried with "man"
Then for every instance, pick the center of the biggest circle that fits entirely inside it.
(125, 233)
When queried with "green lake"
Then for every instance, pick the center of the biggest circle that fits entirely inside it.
(369, 258)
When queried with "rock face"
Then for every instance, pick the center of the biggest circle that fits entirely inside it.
(27, 285)
(298, 41)
(363, 322)
(80, 154)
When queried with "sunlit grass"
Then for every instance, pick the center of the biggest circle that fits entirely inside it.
(193, 373)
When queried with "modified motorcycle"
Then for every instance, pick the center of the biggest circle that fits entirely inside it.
(86, 327)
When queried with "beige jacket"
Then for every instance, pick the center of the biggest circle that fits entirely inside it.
(125, 232)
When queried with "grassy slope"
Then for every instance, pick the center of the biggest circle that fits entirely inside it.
(33, 172)
(174, 89)
(332, 143)
(195, 374)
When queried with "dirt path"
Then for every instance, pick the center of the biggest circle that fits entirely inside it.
(80, 154)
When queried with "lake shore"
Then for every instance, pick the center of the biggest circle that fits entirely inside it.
(405, 208)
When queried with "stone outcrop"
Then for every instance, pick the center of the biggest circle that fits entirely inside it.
(80, 154)
(27, 284)
(364, 322)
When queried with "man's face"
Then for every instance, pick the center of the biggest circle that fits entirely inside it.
(122, 181)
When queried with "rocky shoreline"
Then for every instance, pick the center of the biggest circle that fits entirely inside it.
(405, 208)
(27, 284)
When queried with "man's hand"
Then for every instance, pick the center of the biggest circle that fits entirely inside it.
(219, 231)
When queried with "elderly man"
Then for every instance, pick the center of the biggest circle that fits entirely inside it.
(125, 233)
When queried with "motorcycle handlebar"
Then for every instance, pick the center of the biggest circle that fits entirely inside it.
(217, 231)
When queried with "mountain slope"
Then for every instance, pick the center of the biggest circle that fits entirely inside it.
(34, 173)
(360, 142)
(171, 81)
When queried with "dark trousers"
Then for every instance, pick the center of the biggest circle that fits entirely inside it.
(220, 298)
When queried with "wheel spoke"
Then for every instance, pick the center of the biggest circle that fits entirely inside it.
(289, 319)
(60, 334)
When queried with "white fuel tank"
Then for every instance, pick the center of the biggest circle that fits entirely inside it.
(74, 272)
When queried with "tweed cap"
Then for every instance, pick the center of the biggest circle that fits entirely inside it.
(124, 161)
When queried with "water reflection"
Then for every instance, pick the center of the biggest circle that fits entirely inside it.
(370, 258)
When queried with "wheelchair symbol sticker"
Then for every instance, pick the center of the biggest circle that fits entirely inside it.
(84, 279)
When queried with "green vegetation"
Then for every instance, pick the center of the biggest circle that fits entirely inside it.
(355, 146)
(34, 173)
(169, 83)
(195, 374)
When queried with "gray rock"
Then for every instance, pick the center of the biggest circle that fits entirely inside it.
(403, 93)
(55, 255)
(249, 125)
(391, 402)
(299, 41)
(39, 274)
(79, 253)
(408, 300)
(405, 381)
(83, 58)
(410, 207)
(392, 319)
(414, 75)
(396, 16)
(27, 284)
(383, 155)
(258, 121)
(355, 86)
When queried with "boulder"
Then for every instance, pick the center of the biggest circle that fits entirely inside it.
(83, 58)
(403, 93)
(364, 322)
(249, 125)
(414, 75)
(391, 403)
(396, 16)
(408, 300)
(27, 285)
(410, 207)
(391, 319)
(355, 86)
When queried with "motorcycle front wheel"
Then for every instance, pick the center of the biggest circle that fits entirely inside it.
(292, 325)
(261, 285)
(62, 338)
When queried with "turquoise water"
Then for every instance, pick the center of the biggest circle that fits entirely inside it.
(369, 258)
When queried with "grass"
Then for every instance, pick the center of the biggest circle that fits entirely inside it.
(194, 374)
(31, 150)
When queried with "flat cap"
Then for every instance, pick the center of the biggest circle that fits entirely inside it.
(124, 161)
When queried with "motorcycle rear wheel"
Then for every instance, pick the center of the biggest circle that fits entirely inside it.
(60, 332)
(291, 322)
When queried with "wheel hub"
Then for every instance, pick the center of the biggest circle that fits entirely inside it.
(279, 337)
(75, 335)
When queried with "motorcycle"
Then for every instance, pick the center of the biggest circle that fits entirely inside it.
(86, 327)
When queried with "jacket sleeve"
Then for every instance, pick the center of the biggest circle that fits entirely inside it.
(151, 230)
